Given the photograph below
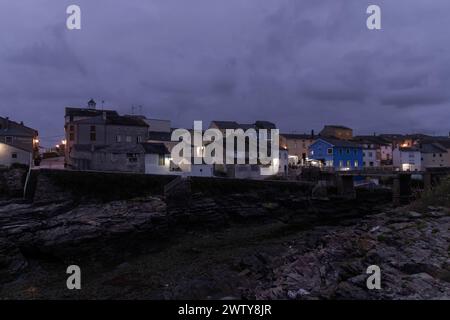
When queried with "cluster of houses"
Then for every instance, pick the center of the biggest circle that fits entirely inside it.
(104, 140)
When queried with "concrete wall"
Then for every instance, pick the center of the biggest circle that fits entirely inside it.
(7, 152)
(152, 165)
(103, 161)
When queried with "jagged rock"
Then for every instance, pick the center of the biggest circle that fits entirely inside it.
(61, 229)
(12, 182)
(12, 262)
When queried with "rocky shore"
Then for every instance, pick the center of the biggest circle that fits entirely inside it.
(234, 245)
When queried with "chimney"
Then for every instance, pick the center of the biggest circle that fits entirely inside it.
(91, 104)
(312, 134)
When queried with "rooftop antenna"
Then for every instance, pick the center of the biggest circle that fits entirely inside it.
(103, 104)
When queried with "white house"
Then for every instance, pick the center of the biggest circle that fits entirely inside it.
(10, 155)
(371, 156)
(407, 159)
(157, 158)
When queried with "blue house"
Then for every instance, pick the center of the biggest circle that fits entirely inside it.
(338, 154)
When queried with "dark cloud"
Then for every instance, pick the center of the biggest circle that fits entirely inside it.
(300, 63)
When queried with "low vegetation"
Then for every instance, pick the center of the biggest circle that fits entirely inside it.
(438, 196)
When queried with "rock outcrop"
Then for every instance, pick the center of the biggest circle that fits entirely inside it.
(66, 230)
(411, 249)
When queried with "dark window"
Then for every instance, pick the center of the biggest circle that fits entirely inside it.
(71, 127)
(132, 157)
(93, 135)
(9, 139)
(71, 136)
(14, 155)
(348, 151)
(330, 151)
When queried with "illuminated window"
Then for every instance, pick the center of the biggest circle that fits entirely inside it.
(161, 159)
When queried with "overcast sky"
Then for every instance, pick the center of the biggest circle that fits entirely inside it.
(298, 63)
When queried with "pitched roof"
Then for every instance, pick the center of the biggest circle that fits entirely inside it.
(336, 127)
(226, 124)
(114, 120)
(371, 139)
(265, 125)
(443, 141)
(15, 129)
(155, 148)
(159, 136)
(84, 112)
(234, 125)
(126, 121)
(303, 136)
(432, 148)
(340, 143)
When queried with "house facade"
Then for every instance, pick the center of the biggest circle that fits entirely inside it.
(407, 159)
(336, 154)
(18, 143)
(376, 151)
(156, 159)
(298, 146)
(434, 155)
(250, 171)
(90, 131)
